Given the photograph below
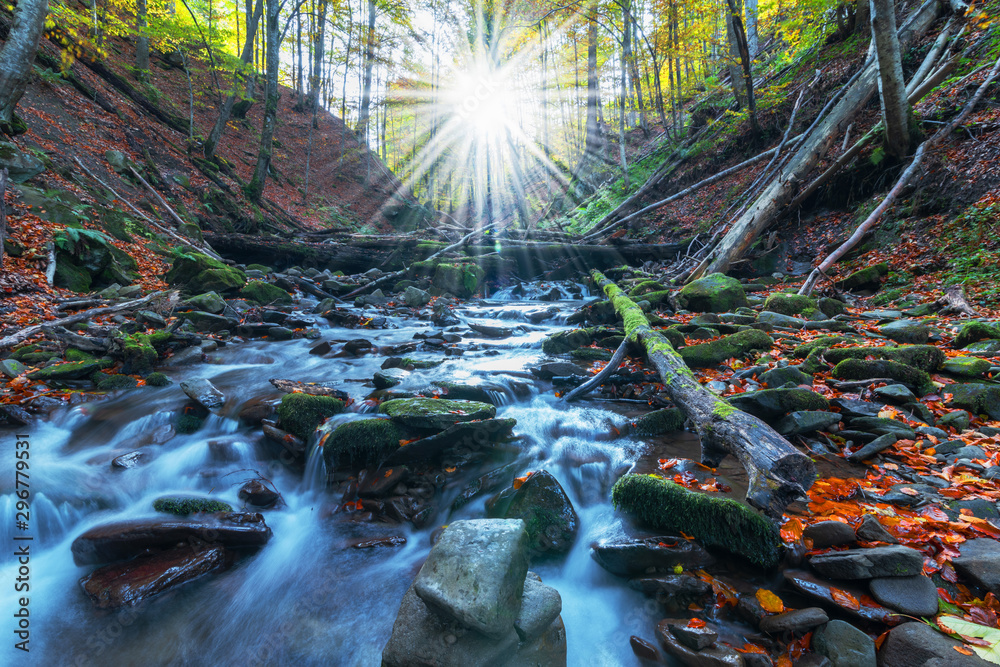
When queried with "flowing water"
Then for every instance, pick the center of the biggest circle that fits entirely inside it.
(306, 598)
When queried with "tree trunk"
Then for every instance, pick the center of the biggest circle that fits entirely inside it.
(780, 191)
(862, 22)
(253, 20)
(141, 42)
(735, 75)
(891, 87)
(778, 472)
(744, 54)
(593, 149)
(366, 89)
(319, 52)
(255, 189)
(753, 43)
(17, 56)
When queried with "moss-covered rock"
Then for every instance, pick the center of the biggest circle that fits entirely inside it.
(86, 259)
(713, 522)
(674, 337)
(832, 307)
(645, 287)
(265, 293)
(115, 382)
(906, 331)
(562, 342)
(656, 298)
(659, 422)
(138, 355)
(779, 377)
(74, 370)
(462, 280)
(869, 278)
(976, 331)
(925, 357)
(967, 367)
(977, 398)
(260, 267)
(209, 302)
(158, 379)
(866, 369)
(182, 506)
(199, 273)
(821, 343)
(771, 404)
(548, 514)
(738, 345)
(361, 444)
(715, 293)
(420, 364)
(591, 354)
(435, 413)
(300, 414)
(788, 304)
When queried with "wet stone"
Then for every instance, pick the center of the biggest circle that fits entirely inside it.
(797, 620)
(821, 591)
(694, 638)
(844, 645)
(829, 534)
(204, 393)
(980, 562)
(258, 494)
(895, 393)
(540, 606)
(547, 512)
(718, 656)
(919, 645)
(381, 482)
(674, 590)
(891, 561)
(130, 460)
(871, 530)
(643, 649)
(879, 444)
(390, 377)
(641, 556)
(806, 421)
(915, 596)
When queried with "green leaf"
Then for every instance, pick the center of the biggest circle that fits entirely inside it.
(965, 628)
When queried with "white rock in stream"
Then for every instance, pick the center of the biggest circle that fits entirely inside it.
(204, 392)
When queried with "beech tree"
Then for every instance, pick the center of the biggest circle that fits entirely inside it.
(891, 87)
(17, 56)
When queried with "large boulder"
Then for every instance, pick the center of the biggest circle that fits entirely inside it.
(770, 404)
(547, 512)
(844, 645)
(890, 561)
(435, 413)
(976, 398)
(920, 645)
(869, 278)
(462, 280)
(86, 259)
(197, 273)
(715, 293)
(475, 574)
(738, 345)
(300, 414)
(264, 293)
(20, 165)
(361, 443)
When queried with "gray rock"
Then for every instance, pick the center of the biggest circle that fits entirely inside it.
(280, 333)
(893, 561)
(475, 574)
(546, 510)
(882, 426)
(829, 534)
(20, 166)
(203, 392)
(638, 556)
(967, 367)
(796, 620)
(957, 419)
(844, 645)
(421, 637)
(853, 408)
(694, 638)
(919, 645)
(209, 302)
(779, 320)
(915, 596)
(415, 298)
(976, 398)
(906, 331)
(779, 377)
(980, 563)
(12, 368)
(549, 649)
(895, 393)
(806, 421)
(150, 319)
(871, 530)
(716, 656)
(540, 606)
(931, 430)
(389, 377)
(872, 448)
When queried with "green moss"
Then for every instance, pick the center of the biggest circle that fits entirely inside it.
(138, 355)
(157, 380)
(420, 364)
(713, 522)
(867, 278)
(462, 280)
(723, 409)
(862, 369)
(789, 304)
(435, 413)
(715, 293)
(77, 370)
(189, 423)
(925, 357)
(644, 287)
(73, 354)
(300, 414)
(821, 343)
(185, 506)
(201, 273)
(976, 331)
(591, 354)
(656, 298)
(259, 267)
(738, 345)
(264, 293)
(115, 382)
(364, 443)
(773, 403)
(564, 341)
(658, 422)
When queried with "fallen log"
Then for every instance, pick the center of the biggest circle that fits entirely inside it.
(783, 188)
(28, 332)
(778, 472)
(616, 360)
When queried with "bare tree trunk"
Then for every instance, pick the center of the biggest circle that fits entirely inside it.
(318, 53)
(255, 188)
(141, 41)
(735, 75)
(744, 53)
(253, 20)
(891, 87)
(366, 90)
(862, 22)
(17, 56)
(753, 43)
(593, 150)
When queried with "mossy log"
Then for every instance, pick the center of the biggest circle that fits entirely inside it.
(778, 472)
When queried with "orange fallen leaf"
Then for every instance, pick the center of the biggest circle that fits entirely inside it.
(964, 650)
(696, 623)
(769, 601)
(845, 599)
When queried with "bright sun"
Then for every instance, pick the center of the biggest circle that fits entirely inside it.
(481, 100)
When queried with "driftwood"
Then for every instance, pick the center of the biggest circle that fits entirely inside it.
(904, 179)
(778, 472)
(953, 302)
(616, 360)
(28, 332)
(780, 191)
